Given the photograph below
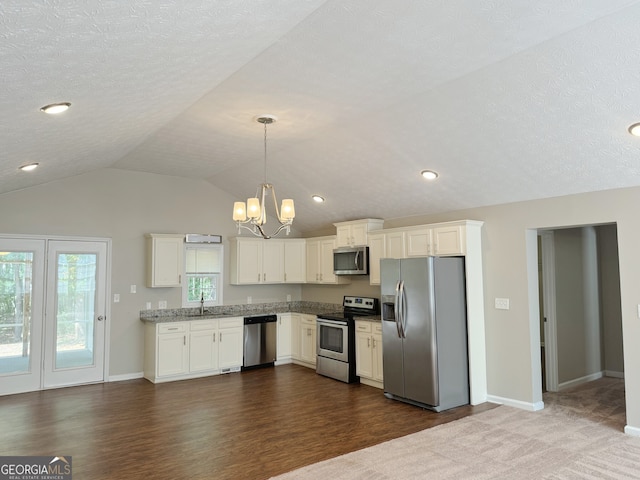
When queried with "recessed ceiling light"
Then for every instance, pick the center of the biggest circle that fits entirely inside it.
(56, 108)
(634, 129)
(317, 198)
(29, 167)
(429, 174)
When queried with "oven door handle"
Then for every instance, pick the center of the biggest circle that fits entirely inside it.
(331, 322)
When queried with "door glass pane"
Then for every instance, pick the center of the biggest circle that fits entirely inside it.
(75, 311)
(16, 271)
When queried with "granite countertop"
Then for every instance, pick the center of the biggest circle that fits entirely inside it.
(246, 310)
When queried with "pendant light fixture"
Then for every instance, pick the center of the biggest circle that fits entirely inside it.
(252, 216)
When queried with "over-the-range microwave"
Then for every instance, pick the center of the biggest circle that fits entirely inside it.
(351, 260)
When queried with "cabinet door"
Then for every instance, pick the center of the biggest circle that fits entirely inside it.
(164, 257)
(376, 354)
(359, 234)
(313, 261)
(296, 335)
(230, 347)
(343, 236)
(448, 240)
(295, 261)
(203, 351)
(377, 248)
(364, 365)
(172, 354)
(308, 341)
(395, 245)
(326, 262)
(272, 261)
(419, 242)
(284, 336)
(249, 261)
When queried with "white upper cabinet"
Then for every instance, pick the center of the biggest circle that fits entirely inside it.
(349, 234)
(295, 260)
(439, 239)
(164, 259)
(259, 261)
(255, 260)
(320, 261)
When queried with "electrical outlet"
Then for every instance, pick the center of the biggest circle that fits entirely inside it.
(288, 298)
(162, 304)
(502, 303)
(148, 305)
(249, 300)
(133, 289)
(116, 297)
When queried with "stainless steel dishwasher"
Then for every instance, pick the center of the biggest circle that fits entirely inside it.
(260, 339)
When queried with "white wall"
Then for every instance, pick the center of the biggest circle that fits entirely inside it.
(610, 299)
(577, 304)
(123, 206)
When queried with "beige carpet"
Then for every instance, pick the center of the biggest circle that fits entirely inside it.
(563, 441)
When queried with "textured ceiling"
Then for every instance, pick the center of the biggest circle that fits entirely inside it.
(507, 99)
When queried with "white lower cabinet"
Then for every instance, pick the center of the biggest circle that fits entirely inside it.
(203, 351)
(180, 350)
(369, 353)
(284, 345)
(230, 344)
(304, 340)
(173, 353)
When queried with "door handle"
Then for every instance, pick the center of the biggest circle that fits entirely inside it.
(403, 323)
(396, 309)
(100, 318)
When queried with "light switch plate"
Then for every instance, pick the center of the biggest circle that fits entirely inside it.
(502, 303)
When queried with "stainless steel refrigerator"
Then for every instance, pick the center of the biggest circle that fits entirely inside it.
(424, 331)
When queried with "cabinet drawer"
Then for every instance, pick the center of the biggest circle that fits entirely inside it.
(377, 328)
(231, 322)
(176, 327)
(198, 325)
(308, 320)
(363, 327)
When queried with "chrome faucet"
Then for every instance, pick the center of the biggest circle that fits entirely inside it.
(202, 304)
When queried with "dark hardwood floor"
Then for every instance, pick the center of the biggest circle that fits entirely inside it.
(249, 425)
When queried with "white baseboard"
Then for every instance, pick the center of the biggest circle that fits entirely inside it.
(531, 407)
(126, 376)
(580, 381)
(613, 374)
(633, 431)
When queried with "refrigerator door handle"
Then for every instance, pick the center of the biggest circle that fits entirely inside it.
(396, 309)
(402, 309)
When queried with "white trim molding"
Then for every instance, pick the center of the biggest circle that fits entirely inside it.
(126, 376)
(531, 407)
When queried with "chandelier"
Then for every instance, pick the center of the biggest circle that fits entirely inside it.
(256, 208)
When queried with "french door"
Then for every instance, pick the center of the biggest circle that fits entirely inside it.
(52, 313)
(22, 265)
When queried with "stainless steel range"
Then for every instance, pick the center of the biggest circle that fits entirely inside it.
(336, 342)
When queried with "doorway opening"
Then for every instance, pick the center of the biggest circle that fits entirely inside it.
(580, 309)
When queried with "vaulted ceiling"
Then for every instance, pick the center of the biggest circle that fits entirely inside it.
(507, 100)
